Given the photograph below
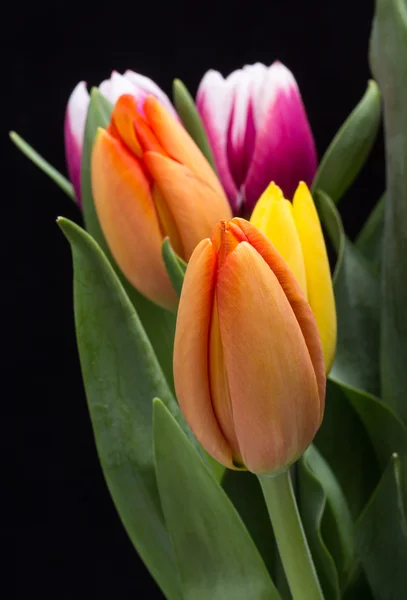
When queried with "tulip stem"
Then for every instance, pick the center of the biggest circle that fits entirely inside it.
(292, 543)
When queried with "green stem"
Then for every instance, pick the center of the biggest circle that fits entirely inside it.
(292, 543)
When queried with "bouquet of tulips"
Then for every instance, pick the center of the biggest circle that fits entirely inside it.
(248, 396)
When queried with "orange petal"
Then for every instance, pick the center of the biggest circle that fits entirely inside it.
(122, 121)
(178, 143)
(194, 205)
(300, 306)
(273, 388)
(191, 353)
(128, 218)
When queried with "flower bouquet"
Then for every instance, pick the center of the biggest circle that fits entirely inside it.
(244, 361)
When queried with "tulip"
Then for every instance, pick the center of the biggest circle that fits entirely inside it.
(149, 181)
(295, 231)
(258, 130)
(248, 364)
(75, 116)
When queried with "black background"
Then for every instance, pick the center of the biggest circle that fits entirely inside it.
(63, 537)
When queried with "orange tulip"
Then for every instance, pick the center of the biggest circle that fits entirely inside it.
(149, 181)
(248, 363)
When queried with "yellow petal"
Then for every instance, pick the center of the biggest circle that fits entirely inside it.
(273, 216)
(191, 353)
(195, 206)
(319, 280)
(128, 218)
(273, 387)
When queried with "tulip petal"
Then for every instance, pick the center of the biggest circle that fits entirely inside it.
(214, 102)
(75, 120)
(128, 218)
(267, 362)
(117, 86)
(273, 215)
(292, 290)
(148, 86)
(178, 144)
(194, 204)
(319, 280)
(241, 135)
(285, 149)
(191, 353)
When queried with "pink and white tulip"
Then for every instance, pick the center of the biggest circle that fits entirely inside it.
(258, 131)
(76, 111)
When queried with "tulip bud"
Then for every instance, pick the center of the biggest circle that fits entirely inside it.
(248, 364)
(258, 130)
(149, 181)
(75, 116)
(295, 231)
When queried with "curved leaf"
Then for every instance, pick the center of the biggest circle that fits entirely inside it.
(122, 376)
(216, 557)
(312, 505)
(356, 288)
(43, 165)
(185, 105)
(388, 44)
(350, 147)
(370, 238)
(158, 323)
(175, 266)
(381, 534)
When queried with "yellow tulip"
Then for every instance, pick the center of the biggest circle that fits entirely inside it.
(150, 180)
(295, 230)
(248, 364)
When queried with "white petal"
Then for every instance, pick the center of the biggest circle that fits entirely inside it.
(148, 86)
(76, 111)
(116, 86)
(278, 77)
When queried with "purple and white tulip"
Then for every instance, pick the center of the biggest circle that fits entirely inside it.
(258, 131)
(77, 109)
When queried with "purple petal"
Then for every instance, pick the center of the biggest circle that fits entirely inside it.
(285, 148)
(214, 103)
(74, 130)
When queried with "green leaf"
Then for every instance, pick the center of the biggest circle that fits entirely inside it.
(216, 557)
(337, 529)
(186, 109)
(312, 505)
(175, 266)
(43, 164)
(356, 288)
(382, 535)
(350, 147)
(370, 238)
(388, 45)
(158, 323)
(122, 376)
(244, 490)
(344, 442)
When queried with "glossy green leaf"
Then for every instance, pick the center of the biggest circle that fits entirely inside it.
(344, 442)
(388, 46)
(43, 165)
(175, 266)
(122, 376)
(186, 108)
(350, 147)
(357, 298)
(312, 505)
(216, 557)
(370, 238)
(158, 323)
(381, 534)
